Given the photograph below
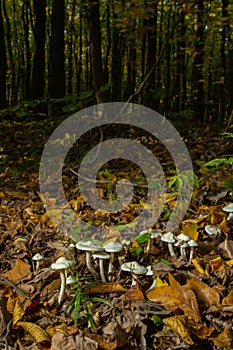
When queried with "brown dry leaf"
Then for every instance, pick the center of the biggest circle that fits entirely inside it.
(224, 339)
(228, 300)
(198, 268)
(110, 287)
(102, 344)
(50, 288)
(217, 217)
(37, 333)
(227, 245)
(190, 230)
(18, 313)
(195, 221)
(52, 330)
(206, 296)
(20, 271)
(225, 228)
(201, 331)
(78, 342)
(135, 293)
(175, 296)
(215, 264)
(179, 325)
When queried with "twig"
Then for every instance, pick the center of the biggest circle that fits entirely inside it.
(15, 288)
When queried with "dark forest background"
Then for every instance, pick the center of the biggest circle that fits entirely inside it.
(63, 55)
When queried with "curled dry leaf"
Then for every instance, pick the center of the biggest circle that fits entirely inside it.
(179, 325)
(228, 300)
(105, 288)
(206, 296)
(37, 333)
(102, 343)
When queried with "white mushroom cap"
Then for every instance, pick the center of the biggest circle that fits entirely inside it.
(89, 246)
(184, 245)
(228, 208)
(37, 257)
(183, 237)
(134, 267)
(212, 229)
(58, 266)
(101, 255)
(168, 237)
(192, 243)
(113, 247)
(149, 271)
(63, 260)
(70, 280)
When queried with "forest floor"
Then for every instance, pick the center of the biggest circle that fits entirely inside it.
(191, 305)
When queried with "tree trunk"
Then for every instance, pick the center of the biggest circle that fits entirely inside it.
(38, 71)
(96, 53)
(198, 79)
(150, 39)
(57, 69)
(3, 65)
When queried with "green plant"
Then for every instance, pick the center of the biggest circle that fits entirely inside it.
(81, 305)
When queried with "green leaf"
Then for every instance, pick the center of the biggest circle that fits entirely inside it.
(157, 320)
(142, 238)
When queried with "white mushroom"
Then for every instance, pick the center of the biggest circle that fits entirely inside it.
(135, 268)
(169, 238)
(192, 244)
(153, 234)
(89, 247)
(182, 249)
(112, 248)
(38, 258)
(229, 209)
(212, 230)
(101, 256)
(70, 280)
(61, 267)
(63, 260)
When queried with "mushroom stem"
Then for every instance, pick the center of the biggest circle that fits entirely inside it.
(110, 266)
(149, 244)
(89, 265)
(134, 279)
(171, 250)
(191, 254)
(101, 263)
(62, 288)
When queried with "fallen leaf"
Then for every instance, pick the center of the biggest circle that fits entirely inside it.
(110, 287)
(179, 325)
(174, 297)
(20, 271)
(223, 340)
(190, 230)
(206, 296)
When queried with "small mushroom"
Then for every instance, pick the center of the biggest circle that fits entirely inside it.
(169, 239)
(63, 260)
(62, 268)
(38, 258)
(135, 268)
(90, 247)
(212, 230)
(101, 256)
(112, 248)
(183, 246)
(70, 280)
(192, 244)
(229, 209)
(153, 234)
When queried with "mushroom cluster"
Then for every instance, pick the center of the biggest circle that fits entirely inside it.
(98, 251)
(182, 241)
